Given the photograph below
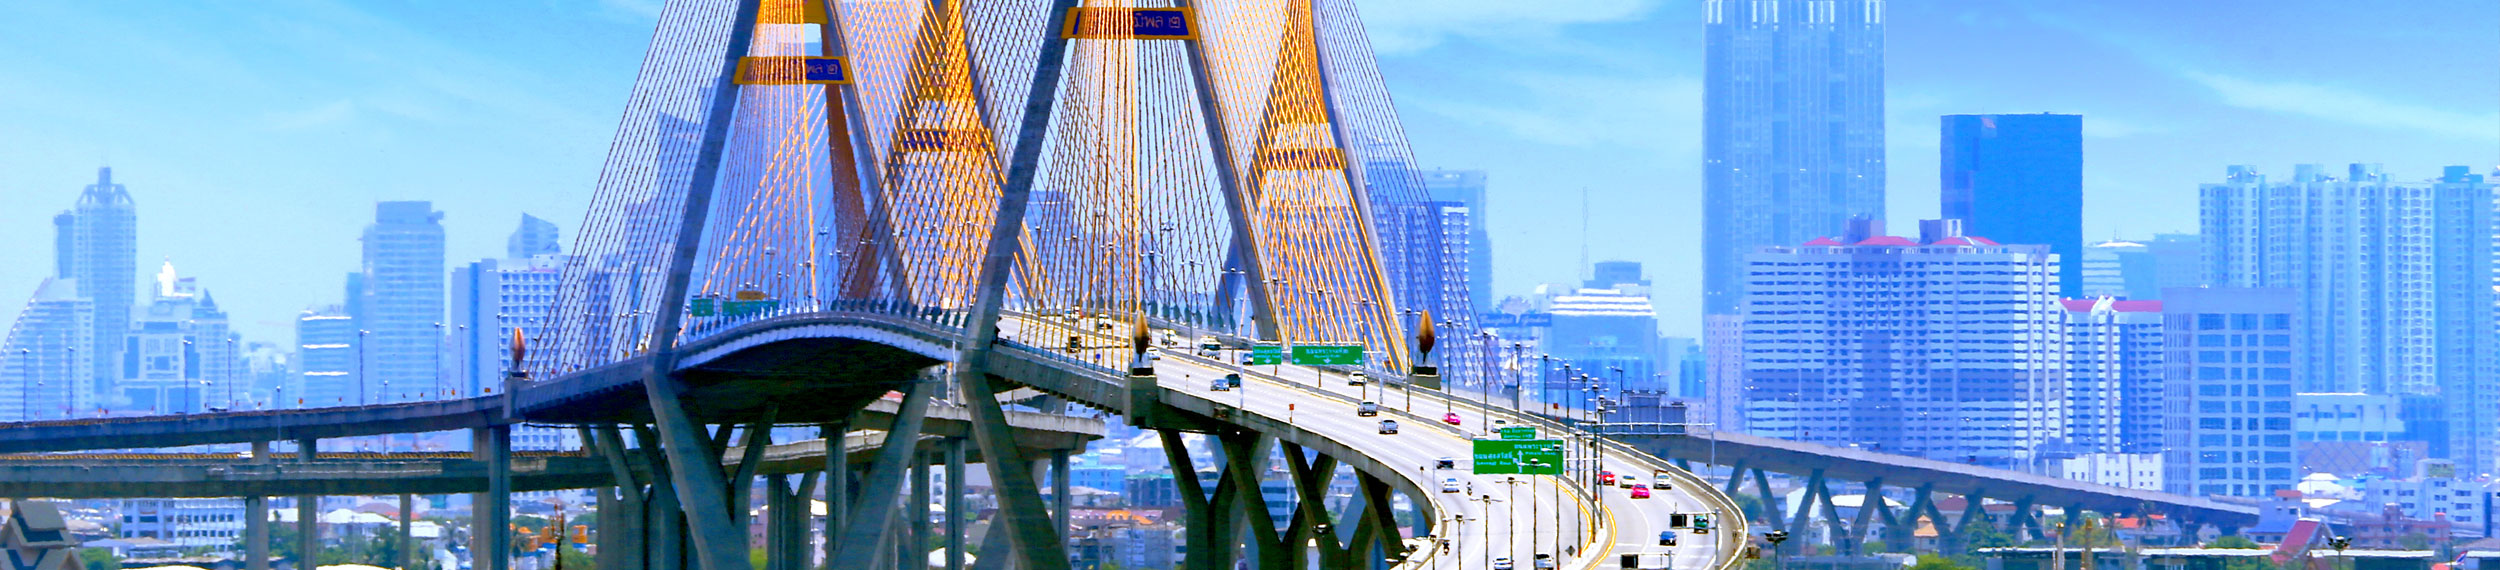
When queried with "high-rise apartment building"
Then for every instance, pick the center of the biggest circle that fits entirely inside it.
(2114, 375)
(1950, 347)
(2227, 412)
(2019, 179)
(1466, 188)
(44, 371)
(402, 300)
(1793, 129)
(2394, 283)
(2178, 260)
(491, 298)
(2121, 269)
(103, 257)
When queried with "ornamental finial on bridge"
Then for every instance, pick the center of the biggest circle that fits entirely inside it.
(1424, 337)
(1139, 338)
(520, 347)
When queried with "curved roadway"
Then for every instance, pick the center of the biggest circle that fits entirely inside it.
(1504, 516)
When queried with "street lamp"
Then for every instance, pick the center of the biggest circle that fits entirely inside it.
(1776, 537)
(1510, 532)
(2340, 542)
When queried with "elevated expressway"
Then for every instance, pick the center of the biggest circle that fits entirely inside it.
(839, 368)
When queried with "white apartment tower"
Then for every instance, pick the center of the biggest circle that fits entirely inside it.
(1950, 347)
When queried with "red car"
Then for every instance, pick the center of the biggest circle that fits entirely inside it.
(1640, 492)
(1449, 418)
(1605, 477)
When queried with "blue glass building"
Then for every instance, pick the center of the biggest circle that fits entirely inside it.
(2019, 179)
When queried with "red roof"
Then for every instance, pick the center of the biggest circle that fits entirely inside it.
(1887, 240)
(1984, 241)
(1956, 240)
(2078, 305)
(1823, 241)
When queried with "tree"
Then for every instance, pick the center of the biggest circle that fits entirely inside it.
(1934, 562)
(99, 558)
(2232, 541)
(1980, 534)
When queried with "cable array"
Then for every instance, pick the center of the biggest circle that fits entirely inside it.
(878, 195)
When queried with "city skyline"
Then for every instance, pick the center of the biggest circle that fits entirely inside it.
(345, 128)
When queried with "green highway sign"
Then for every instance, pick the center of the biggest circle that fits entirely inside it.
(1267, 354)
(1529, 457)
(1328, 355)
(1519, 432)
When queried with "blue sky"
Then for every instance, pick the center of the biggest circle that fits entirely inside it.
(256, 135)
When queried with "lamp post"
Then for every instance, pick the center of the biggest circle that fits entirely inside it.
(360, 365)
(1510, 532)
(2340, 542)
(1778, 560)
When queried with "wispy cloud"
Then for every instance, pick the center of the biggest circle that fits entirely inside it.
(2345, 106)
(1408, 26)
(1587, 110)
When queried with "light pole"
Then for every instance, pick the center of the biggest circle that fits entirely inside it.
(1510, 532)
(360, 365)
(1779, 560)
(2340, 542)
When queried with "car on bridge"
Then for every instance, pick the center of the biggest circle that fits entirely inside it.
(1605, 477)
(1666, 538)
(1640, 492)
(1628, 481)
(1354, 378)
(1445, 463)
(1221, 386)
(1544, 561)
(1658, 480)
(1450, 418)
(1388, 427)
(1233, 378)
(1501, 563)
(1449, 484)
(1367, 409)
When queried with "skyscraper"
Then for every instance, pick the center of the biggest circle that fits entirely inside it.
(1607, 329)
(402, 300)
(491, 298)
(325, 361)
(1793, 129)
(44, 373)
(103, 256)
(2393, 283)
(1466, 188)
(181, 355)
(535, 237)
(2019, 179)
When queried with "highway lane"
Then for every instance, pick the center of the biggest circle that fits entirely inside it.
(1546, 517)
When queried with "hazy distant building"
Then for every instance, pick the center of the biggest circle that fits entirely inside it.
(44, 373)
(402, 300)
(2019, 179)
(1949, 347)
(2179, 260)
(2394, 283)
(2228, 409)
(181, 354)
(325, 360)
(2352, 434)
(1606, 329)
(535, 237)
(1467, 187)
(103, 257)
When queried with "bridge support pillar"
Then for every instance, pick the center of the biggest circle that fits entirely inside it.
(1207, 523)
(1059, 486)
(955, 503)
(307, 511)
(916, 533)
(664, 520)
(407, 537)
(621, 523)
(1770, 502)
(868, 529)
(1310, 524)
(492, 516)
(837, 482)
(1245, 459)
(256, 519)
(1380, 516)
(1869, 505)
(785, 528)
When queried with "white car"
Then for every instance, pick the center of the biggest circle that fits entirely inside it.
(1502, 563)
(1449, 484)
(1354, 378)
(1628, 481)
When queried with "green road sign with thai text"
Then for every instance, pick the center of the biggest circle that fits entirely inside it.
(1519, 432)
(1267, 354)
(1528, 457)
(1328, 355)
